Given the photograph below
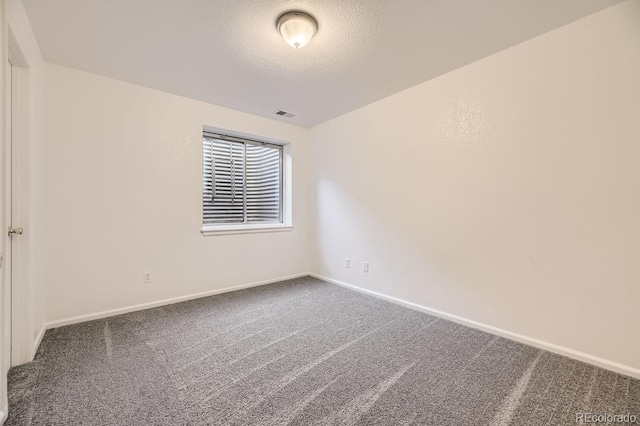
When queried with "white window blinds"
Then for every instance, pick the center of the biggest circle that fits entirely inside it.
(242, 180)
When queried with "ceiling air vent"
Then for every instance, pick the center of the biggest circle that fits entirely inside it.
(285, 114)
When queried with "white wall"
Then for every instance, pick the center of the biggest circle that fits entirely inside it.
(124, 195)
(505, 192)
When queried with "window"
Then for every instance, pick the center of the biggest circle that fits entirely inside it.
(243, 184)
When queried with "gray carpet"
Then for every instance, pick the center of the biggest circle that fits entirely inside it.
(301, 352)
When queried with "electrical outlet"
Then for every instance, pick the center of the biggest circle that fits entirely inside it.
(365, 267)
(146, 277)
(347, 263)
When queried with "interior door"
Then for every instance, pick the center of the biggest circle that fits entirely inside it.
(17, 335)
(5, 240)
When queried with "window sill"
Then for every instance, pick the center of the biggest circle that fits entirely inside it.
(209, 230)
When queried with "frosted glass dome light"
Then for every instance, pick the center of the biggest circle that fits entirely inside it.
(297, 28)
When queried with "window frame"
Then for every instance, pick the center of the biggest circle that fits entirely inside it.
(286, 222)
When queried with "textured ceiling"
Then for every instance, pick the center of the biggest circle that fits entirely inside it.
(228, 52)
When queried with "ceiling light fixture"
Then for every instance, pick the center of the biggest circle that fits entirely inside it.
(297, 28)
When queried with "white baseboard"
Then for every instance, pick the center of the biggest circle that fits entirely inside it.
(560, 350)
(149, 305)
(36, 343)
